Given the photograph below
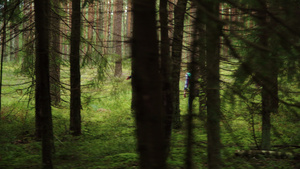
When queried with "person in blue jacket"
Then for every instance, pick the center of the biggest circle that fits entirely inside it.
(187, 84)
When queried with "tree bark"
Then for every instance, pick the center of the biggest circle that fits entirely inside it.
(28, 35)
(192, 95)
(202, 70)
(176, 56)
(75, 106)
(55, 57)
(42, 23)
(267, 74)
(129, 27)
(166, 68)
(3, 46)
(118, 12)
(213, 85)
(147, 87)
(91, 18)
(16, 31)
(105, 28)
(87, 59)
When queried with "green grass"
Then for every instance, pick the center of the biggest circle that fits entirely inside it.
(108, 131)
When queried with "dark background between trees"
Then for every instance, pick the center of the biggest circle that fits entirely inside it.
(243, 56)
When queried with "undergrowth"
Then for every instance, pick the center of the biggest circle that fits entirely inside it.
(108, 132)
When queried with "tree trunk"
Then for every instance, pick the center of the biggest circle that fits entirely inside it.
(26, 62)
(55, 57)
(213, 86)
(3, 46)
(176, 56)
(99, 24)
(118, 11)
(147, 87)
(28, 35)
(107, 24)
(129, 27)
(267, 76)
(42, 23)
(16, 31)
(171, 17)
(90, 32)
(105, 28)
(202, 67)
(192, 94)
(166, 68)
(75, 106)
(266, 109)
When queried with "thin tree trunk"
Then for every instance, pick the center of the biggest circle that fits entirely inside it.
(100, 23)
(105, 28)
(268, 78)
(55, 54)
(171, 17)
(118, 11)
(11, 44)
(202, 65)
(16, 31)
(129, 27)
(213, 86)
(91, 17)
(176, 56)
(166, 68)
(75, 106)
(3, 39)
(192, 95)
(147, 87)
(42, 23)
(109, 25)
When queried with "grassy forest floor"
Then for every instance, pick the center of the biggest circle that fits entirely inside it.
(108, 127)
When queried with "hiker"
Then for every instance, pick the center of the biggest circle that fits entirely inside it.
(186, 85)
(129, 77)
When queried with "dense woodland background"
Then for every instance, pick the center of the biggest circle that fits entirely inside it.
(65, 102)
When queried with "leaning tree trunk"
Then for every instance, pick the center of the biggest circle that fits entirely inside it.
(147, 87)
(75, 106)
(42, 23)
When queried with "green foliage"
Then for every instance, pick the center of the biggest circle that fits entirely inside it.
(123, 160)
(108, 130)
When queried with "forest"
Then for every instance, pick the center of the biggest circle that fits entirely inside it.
(149, 84)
